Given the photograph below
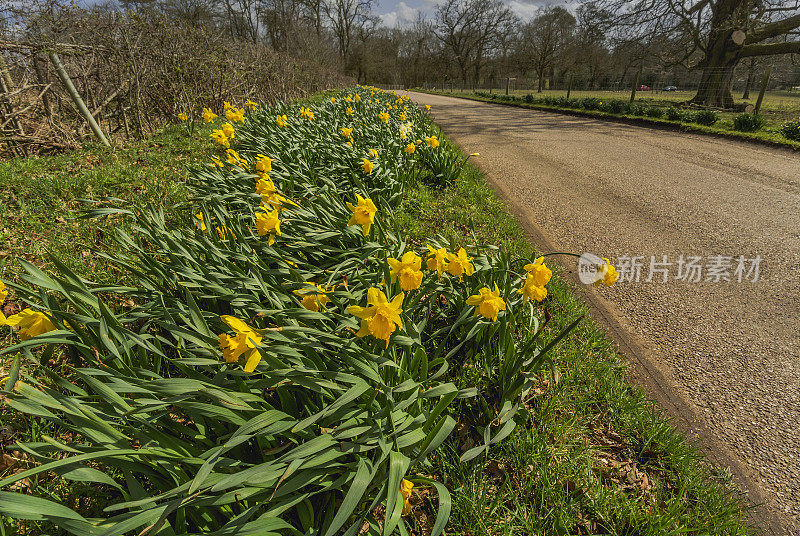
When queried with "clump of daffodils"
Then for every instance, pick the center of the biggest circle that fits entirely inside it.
(533, 286)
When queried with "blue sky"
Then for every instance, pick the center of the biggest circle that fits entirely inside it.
(399, 12)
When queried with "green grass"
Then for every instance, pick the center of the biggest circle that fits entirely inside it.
(597, 457)
(774, 116)
(40, 197)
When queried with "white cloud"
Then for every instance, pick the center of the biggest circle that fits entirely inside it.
(523, 10)
(402, 15)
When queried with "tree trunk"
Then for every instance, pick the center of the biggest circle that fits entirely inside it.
(722, 56)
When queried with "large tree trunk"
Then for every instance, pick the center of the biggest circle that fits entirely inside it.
(722, 56)
(715, 84)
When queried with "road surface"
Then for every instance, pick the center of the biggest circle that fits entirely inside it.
(730, 350)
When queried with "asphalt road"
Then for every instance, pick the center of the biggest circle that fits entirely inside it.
(730, 349)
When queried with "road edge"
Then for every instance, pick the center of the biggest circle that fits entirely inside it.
(647, 372)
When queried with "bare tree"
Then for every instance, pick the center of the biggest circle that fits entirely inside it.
(545, 39)
(470, 30)
(349, 20)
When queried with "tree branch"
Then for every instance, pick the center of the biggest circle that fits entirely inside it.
(771, 49)
(773, 29)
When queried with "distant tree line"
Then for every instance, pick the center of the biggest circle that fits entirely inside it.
(711, 46)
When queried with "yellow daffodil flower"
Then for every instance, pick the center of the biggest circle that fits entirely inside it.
(3, 296)
(373, 153)
(349, 111)
(402, 117)
(333, 100)
(251, 105)
(407, 270)
(313, 297)
(384, 116)
(410, 148)
(215, 161)
(436, 259)
(428, 107)
(347, 132)
(405, 491)
(263, 164)
(357, 98)
(236, 160)
(269, 223)
(367, 165)
(226, 105)
(30, 323)
(488, 303)
(433, 141)
(531, 291)
(235, 114)
(229, 131)
(607, 275)
(208, 115)
(381, 318)
(349, 98)
(305, 113)
(219, 136)
(281, 120)
(202, 221)
(183, 116)
(541, 273)
(245, 342)
(269, 194)
(363, 213)
(459, 264)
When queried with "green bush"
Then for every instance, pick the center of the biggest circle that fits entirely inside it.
(615, 106)
(791, 130)
(674, 114)
(589, 103)
(703, 117)
(636, 109)
(746, 122)
(654, 111)
(247, 388)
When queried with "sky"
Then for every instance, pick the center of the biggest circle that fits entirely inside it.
(398, 13)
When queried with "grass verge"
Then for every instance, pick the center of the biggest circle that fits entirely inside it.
(722, 128)
(40, 197)
(598, 457)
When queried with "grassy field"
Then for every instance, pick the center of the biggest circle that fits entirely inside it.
(596, 457)
(777, 107)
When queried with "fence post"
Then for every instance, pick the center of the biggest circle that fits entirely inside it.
(764, 82)
(569, 85)
(635, 84)
(76, 98)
